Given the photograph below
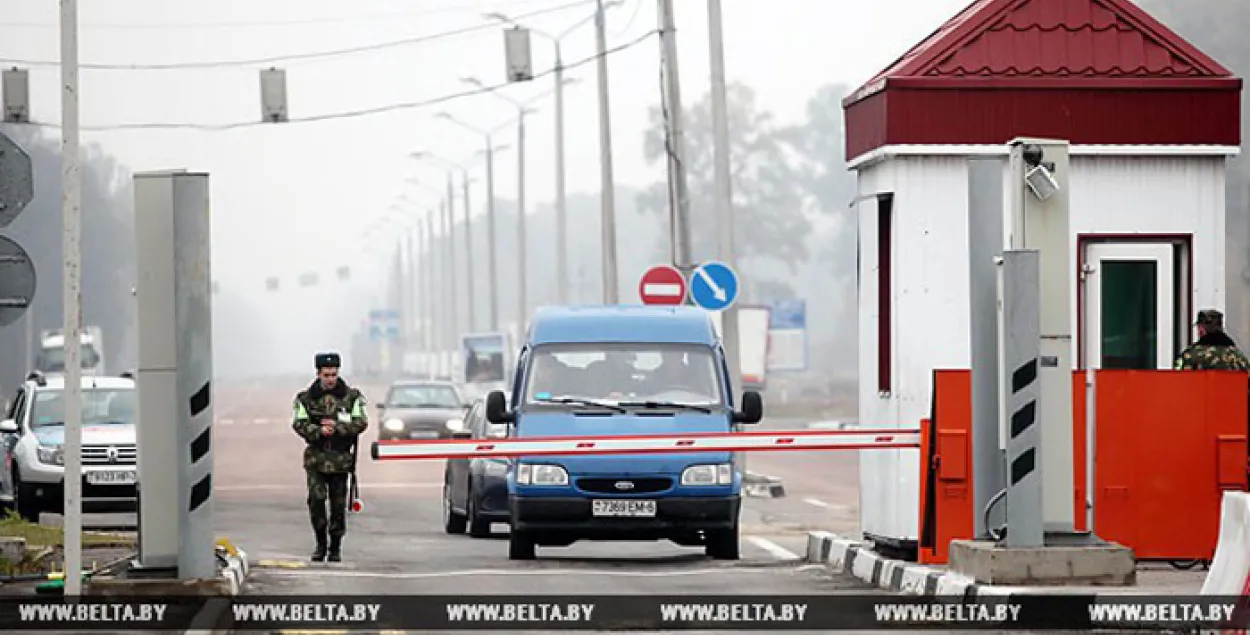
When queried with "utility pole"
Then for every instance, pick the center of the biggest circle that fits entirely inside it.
(679, 202)
(410, 293)
(607, 189)
(432, 318)
(562, 228)
(522, 257)
(468, 255)
(726, 251)
(71, 236)
(449, 260)
(492, 279)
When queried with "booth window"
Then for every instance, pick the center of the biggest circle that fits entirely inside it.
(885, 291)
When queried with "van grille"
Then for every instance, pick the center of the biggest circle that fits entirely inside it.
(646, 485)
(99, 454)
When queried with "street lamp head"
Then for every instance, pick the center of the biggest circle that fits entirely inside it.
(444, 115)
(473, 81)
(498, 17)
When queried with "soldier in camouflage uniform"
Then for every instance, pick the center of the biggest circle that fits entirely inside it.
(1214, 350)
(330, 417)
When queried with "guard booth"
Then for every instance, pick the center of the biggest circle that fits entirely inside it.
(1147, 216)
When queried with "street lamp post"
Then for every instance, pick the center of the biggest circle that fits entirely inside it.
(562, 244)
(523, 109)
(492, 274)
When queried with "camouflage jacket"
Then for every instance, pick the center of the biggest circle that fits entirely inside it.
(332, 454)
(1215, 351)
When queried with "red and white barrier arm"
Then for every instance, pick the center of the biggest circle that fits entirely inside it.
(753, 441)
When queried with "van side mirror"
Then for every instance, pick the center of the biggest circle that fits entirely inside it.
(752, 408)
(8, 426)
(497, 408)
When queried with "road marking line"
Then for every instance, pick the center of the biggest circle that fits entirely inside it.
(259, 422)
(226, 422)
(820, 503)
(773, 549)
(344, 573)
(282, 564)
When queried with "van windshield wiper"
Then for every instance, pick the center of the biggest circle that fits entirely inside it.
(581, 402)
(666, 404)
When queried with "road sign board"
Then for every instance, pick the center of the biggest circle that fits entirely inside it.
(714, 286)
(787, 335)
(17, 281)
(663, 285)
(17, 181)
(384, 324)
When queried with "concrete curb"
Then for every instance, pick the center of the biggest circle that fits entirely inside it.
(856, 558)
(761, 486)
(215, 618)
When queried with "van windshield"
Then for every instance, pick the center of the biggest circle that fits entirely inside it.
(678, 373)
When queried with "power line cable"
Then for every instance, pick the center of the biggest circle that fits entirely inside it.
(352, 114)
(272, 23)
(268, 61)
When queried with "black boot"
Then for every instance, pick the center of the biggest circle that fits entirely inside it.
(335, 541)
(319, 554)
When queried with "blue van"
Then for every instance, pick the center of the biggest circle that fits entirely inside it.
(623, 370)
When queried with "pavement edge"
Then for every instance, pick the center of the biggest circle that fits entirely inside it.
(856, 558)
(215, 618)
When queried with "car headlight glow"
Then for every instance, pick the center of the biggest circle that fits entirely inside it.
(50, 456)
(495, 466)
(394, 425)
(530, 474)
(721, 474)
(455, 425)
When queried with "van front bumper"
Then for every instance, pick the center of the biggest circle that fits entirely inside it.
(564, 518)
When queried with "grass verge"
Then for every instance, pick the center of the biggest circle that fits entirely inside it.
(14, 526)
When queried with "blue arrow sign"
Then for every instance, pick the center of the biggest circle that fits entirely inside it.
(714, 286)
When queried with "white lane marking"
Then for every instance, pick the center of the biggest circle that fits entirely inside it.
(366, 486)
(226, 422)
(775, 550)
(820, 503)
(320, 572)
(259, 422)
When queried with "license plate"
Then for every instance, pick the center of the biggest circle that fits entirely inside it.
(623, 508)
(111, 478)
(423, 435)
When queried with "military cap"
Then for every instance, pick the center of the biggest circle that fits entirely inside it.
(1210, 317)
(327, 360)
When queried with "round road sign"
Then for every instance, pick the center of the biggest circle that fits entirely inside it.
(662, 285)
(17, 281)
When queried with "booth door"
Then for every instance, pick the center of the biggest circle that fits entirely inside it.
(1130, 305)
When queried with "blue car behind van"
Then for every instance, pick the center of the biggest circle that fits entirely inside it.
(613, 371)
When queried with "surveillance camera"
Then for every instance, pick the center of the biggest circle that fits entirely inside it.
(1033, 155)
(1041, 182)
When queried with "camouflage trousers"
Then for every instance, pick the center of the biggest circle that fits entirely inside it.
(323, 488)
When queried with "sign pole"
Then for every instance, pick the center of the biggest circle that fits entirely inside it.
(72, 292)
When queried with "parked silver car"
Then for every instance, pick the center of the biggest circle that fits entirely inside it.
(33, 431)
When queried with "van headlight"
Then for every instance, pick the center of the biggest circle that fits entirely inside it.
(529, 474)
(394, 425)
(721, 474)
(50, 456)
(455, 425)
(495, 467)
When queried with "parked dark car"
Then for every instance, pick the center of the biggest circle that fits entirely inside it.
(475, 491)
(421, 409)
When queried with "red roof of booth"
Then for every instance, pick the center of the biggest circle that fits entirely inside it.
(1090, 71)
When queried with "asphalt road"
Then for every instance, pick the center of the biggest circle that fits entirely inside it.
(398, 546)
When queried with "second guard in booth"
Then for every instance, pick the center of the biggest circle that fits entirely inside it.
(1214, 350)
(330, 417)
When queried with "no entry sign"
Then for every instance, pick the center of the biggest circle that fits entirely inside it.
(662, 284)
